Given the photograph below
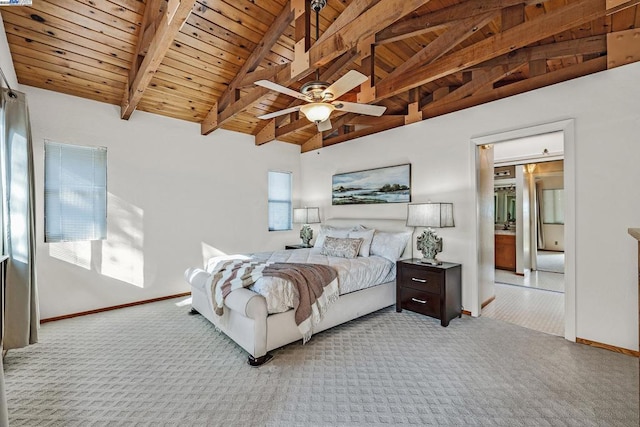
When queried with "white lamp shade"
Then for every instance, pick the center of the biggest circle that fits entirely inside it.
(306, 215)
(436, 215)
(317, 111)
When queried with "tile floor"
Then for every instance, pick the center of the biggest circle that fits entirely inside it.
(535, 300)
(536, 309)
(532, 279)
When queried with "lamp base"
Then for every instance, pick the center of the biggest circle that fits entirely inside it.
(431, 261)
(306, 234)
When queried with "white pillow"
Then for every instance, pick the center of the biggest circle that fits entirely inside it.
(367, 237)
(327, 230)
(389, 245)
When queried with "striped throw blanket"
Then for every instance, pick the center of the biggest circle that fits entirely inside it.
(316, 286)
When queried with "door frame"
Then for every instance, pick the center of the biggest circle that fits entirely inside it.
(568, 128)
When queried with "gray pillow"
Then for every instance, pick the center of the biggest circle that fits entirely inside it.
(389, 245)
(341, 247)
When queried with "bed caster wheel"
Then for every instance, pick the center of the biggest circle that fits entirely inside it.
(259, 361)
(193, 311)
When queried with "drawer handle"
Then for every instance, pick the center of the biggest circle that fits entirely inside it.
(419, 300)
(418, 280)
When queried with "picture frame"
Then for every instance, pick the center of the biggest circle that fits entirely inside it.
(390, 184)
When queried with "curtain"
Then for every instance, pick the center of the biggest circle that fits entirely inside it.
(20, 317)
(539, 210)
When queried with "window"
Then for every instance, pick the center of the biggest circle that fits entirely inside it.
(553, 206)
(279, 201)
(75, 192)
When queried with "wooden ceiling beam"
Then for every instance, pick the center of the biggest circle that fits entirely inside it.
(373, 121)
(531, 31)
(177, 14)
(269, 39)
(614, 6)
(480, 81)
(444, 17)
(532, 83)
(313, 143)
(367, 24)
(464, 29)
(150, 20)
(623, 47)
(547, 25)
(338, 122)
(397, 121)
(355, 9)
(585, 46)
(262, 74)
(567, 73)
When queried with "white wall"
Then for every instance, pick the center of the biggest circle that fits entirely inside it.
(607, 152)
(175, 197)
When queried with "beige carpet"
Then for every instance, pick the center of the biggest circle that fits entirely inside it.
(155, 365)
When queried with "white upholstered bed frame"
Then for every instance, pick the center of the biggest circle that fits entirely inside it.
(246, 320)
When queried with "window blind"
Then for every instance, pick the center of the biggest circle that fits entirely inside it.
(279, 201)
(75, 198)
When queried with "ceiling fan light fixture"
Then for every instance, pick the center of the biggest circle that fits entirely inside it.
(317, 111)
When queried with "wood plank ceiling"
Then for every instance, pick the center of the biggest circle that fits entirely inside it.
(198, 60)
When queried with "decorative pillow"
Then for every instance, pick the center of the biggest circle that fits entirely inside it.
(327, 230)
(389, 245)
(367, 237)
(341, 247)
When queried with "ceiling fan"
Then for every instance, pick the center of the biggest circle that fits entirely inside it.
(320, 96)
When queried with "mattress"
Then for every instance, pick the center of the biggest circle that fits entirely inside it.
(353, 274)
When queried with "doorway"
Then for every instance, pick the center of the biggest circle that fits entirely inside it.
(484, 288)
(532, 295)
(542, 205)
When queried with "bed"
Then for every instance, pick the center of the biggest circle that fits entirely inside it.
(259, 326)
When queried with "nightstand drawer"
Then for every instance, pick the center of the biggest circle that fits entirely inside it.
(420, 302)
(421, 279)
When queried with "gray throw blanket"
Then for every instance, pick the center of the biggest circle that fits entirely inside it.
(315, 284)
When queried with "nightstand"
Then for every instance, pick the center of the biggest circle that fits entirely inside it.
(298, 246)
(433, 290)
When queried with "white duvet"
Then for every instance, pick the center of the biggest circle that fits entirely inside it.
(353, 274)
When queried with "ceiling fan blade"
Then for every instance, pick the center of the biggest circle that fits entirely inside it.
(345, 83)
(278, 88)
(279, 113)
(324, 126)
(352, 107)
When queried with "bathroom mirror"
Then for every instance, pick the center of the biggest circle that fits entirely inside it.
(505, 205)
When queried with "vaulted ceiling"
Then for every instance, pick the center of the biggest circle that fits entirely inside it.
(198, 60)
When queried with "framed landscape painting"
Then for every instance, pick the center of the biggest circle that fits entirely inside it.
(382, 185)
